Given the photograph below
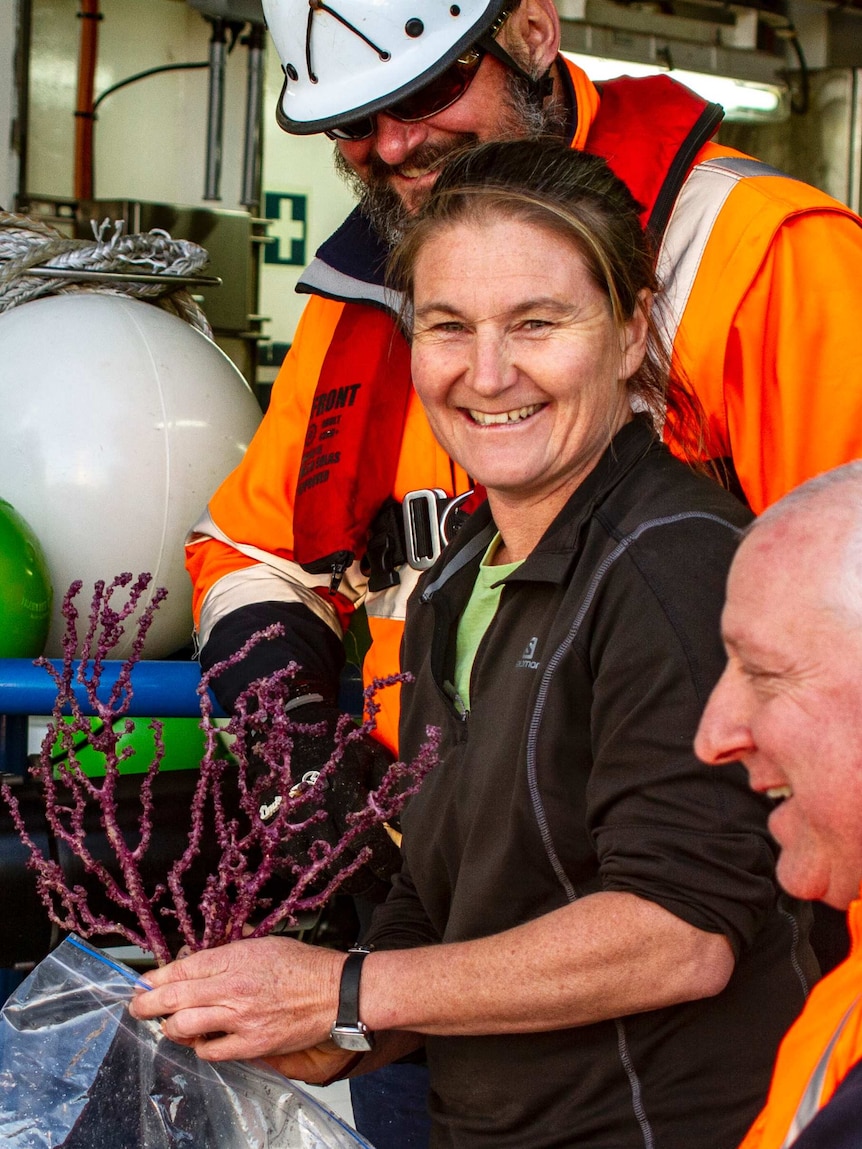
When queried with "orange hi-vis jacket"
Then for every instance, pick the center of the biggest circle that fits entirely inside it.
(819, 1050)
(762, 283)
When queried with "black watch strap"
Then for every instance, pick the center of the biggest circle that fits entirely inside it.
(348, 996)
(348, 1031)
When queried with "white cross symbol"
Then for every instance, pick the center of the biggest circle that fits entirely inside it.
(285, 230)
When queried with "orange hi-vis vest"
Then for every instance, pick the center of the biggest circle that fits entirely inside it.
(763, 282)
(819, 1050)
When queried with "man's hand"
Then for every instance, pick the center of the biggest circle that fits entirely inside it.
(264, 997)
(361, 769)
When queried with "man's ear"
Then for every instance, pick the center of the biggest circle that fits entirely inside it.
(534, 25)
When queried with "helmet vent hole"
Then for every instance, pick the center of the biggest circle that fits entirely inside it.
(414, 28)
(291, 73)
(455, 10)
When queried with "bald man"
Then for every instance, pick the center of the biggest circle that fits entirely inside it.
(789, 706)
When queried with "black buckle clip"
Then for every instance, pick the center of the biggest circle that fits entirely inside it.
(431, 519)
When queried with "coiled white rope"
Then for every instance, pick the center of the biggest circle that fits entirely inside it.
(26, 244)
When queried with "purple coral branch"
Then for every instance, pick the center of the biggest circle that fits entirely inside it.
(253, 844)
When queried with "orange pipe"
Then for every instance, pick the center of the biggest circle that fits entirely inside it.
(89, 16)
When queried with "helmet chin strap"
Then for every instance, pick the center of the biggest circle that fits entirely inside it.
(539, 88)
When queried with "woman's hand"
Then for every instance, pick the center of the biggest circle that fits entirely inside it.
(264, 997)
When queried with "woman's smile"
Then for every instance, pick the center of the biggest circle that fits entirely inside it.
(518, 360)
(503, 418)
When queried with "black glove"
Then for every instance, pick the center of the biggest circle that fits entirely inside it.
(361, 769)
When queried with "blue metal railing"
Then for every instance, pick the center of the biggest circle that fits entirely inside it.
(161, 689)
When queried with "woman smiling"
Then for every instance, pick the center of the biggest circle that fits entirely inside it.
(520, 367)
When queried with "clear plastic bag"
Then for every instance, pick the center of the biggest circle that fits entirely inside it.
(77, 1071)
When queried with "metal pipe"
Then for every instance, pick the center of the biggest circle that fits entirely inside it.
(87, 55)
(21, 132)
(160, 689)
(251, 169)
(215, 109)
(46, 271)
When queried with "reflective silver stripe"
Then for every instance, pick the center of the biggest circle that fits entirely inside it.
(274, 578)
(688, 231)
(698, 205)
(809, 1105)
(252, 585)
(746, 167)
(392, 602)
(321, 278)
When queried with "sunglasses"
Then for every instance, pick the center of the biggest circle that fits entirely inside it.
(440, 94)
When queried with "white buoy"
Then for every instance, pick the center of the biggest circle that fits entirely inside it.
(117, 422)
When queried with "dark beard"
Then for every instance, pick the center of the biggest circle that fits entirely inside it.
(382, 205)
(378, 200)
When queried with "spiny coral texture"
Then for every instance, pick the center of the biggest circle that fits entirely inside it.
(228, 798)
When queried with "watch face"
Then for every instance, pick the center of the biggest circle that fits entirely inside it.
(352, 1037)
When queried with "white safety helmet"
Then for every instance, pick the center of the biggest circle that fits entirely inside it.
(347, 59)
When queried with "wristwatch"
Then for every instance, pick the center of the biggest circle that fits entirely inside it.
(348, 1032)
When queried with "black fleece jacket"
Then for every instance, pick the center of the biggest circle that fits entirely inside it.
(573, 773)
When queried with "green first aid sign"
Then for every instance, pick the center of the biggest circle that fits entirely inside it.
(288, 230)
